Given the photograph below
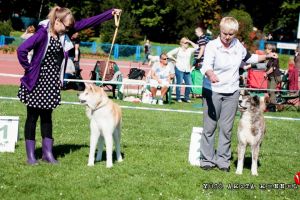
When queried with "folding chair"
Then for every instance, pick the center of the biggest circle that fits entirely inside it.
(291, 101)
(112, 74)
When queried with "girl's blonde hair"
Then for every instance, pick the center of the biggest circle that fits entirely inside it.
(229, 23)
(60, 13)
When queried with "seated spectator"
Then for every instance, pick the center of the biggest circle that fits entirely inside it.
(162, 73)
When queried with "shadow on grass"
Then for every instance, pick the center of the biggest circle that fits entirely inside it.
(61, 150)
(114, 156)
(247, 163)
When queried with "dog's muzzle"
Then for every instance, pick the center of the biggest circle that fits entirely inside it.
(242, 108)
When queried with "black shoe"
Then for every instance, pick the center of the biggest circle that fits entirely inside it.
(207, 167)
(225, 169)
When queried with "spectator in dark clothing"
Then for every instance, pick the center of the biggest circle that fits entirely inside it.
(147, 51)
(74, 54)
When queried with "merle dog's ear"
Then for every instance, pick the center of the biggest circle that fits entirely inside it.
(246, 92)
(255, 100)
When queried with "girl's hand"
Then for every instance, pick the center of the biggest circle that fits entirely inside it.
(116, 12)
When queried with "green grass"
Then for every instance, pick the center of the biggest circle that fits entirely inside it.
(284, 60)
(155, 147)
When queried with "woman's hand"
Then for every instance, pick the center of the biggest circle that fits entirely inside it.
(212, 76)
(116, 12)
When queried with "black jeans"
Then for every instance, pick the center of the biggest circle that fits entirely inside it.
(46, 122)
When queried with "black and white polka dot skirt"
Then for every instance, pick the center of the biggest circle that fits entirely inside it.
(46, 93)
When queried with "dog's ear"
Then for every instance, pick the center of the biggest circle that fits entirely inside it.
(92, 86)
(244, 93)
(88, 85)
(255, 100)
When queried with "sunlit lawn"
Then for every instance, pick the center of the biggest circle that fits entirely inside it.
(155, 147)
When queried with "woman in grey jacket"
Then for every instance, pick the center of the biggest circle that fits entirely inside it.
(42, 81)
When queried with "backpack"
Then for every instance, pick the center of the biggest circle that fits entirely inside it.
(136, 73)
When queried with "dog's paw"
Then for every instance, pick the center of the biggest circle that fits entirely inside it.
(238, 172)
(254, 173)
(109, 165)
(90, 164)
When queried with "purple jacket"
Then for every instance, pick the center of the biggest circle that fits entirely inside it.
(38, 42)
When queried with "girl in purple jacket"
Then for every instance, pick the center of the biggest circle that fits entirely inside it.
(42, 81)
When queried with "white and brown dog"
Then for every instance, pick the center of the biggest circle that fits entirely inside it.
(251, 130)
(105, 124)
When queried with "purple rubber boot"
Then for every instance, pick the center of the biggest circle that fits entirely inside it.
(47, 145)
(30, 148)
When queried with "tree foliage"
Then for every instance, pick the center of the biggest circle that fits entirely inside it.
(245, 24)
(5, 27)
(162, 20)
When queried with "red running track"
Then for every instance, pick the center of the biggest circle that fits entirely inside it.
(9, 64)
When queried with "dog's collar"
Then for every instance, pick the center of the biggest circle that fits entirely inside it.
(100, 105)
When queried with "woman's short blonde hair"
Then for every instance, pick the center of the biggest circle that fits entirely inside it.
(229, 23)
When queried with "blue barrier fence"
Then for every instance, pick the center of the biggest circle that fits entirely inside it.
(130, 52)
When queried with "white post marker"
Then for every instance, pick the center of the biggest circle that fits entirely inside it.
(194, 152)
(8, 133)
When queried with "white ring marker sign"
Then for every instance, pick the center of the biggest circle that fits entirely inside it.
(8, 133)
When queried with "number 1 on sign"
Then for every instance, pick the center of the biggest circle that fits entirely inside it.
(4, 130)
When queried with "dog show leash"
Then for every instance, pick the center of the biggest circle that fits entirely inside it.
(117, 23)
